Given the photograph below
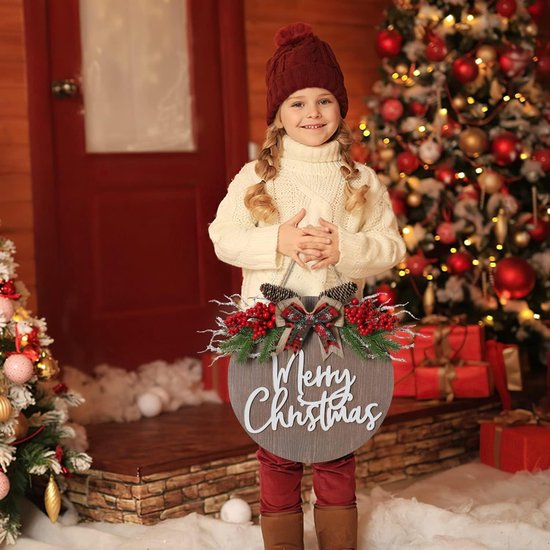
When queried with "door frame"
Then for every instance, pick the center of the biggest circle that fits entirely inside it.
(48, 256)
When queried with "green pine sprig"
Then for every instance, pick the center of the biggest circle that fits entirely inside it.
(269, 343)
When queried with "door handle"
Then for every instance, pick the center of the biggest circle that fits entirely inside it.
(65, 88)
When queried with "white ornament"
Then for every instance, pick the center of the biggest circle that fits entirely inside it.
(236, 510)
(4, 485)
(162, 394)
(149, 404)
(6, 309)
(18, 368)
(429, 151)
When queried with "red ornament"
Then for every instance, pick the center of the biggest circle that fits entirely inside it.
(392, 109)
(407, 162)
(536, 9)
(446, 233)
(513, 61)
(465, 69)
(417, 263)
(436, 49)
(445, 174)
(398, 202)
(505, 148)
(514, 278)
(359, 152)
(506, 8)
(543, 156)
(450, 128)
(459, 263)
(386, 294)
(417, 108)
(539, 231)
(388, 43)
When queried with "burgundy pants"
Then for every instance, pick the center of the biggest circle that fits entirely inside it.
(280, 483)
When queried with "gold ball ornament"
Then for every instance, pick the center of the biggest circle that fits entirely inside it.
(414, 199)
(501, 226)
(47, 367)
(459, 102)
(487, 53)
(386, 154)
(522, 239)
(5, 408)
(531, 29)
(401, 68)
(473, 142)
(490, 181)
(21, 426)
(52, 499)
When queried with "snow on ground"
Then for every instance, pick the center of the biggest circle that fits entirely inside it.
(472, 507)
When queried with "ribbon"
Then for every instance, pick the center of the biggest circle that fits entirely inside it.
(298, 321)
(7, 290)
(512, 366)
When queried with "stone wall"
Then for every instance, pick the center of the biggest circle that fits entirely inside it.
(402, 449)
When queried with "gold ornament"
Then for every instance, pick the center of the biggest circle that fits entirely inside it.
(473, 142)
(5, 408)
(401, 69)
(531, 29)
(522, 239)
(487, 53)
(419, 31)
(414, 199)
(428, 300)
(459, 102)
(47, 367)
(386, 154)
(414, 182)
(545, 306)
(21, 426)
(52, 499)
(490, 181)
(501, 226)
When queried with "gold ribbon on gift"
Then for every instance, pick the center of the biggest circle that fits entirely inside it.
(512, 366)
(516, 417)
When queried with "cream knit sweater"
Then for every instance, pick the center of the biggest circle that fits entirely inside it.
(309, 178)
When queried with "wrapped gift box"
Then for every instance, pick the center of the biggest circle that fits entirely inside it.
(472, 380)
(505, 364)
(515, 448)
(455, 342)
(403, 368)
(214, 375)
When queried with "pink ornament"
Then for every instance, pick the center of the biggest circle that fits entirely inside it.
(18, 368)
(392, 109)
(6, 308)
(4, 485)
(446, 233)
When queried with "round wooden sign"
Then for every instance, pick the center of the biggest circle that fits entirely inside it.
(303, 408)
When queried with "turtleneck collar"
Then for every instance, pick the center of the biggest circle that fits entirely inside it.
(327, 152)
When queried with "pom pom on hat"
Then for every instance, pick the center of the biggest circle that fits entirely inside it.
(292, 34)
(302, 60)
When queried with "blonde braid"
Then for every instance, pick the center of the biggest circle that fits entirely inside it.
(257, 200)
(355, 198)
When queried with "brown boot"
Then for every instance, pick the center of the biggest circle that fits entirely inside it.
(336, 527)
(283, 531)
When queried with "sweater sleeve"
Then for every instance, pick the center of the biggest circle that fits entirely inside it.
(378, 246)
(236, 238)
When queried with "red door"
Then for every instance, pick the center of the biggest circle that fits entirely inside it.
(125, 267)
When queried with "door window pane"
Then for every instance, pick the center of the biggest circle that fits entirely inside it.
(135, 76)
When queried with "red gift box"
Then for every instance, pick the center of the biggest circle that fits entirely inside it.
(472, 380)
(504, 361)
(403, 368)
(515, 448)
(454, 342)
(214, 375)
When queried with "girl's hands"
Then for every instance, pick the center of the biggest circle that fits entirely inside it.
(327, 253)
(309, 243)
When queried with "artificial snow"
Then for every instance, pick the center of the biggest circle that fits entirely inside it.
(472, 507)
(113, 394)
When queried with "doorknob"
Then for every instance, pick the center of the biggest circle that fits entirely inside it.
(64, 88)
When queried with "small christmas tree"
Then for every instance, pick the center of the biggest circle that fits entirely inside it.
(460, 132)
(35, 439)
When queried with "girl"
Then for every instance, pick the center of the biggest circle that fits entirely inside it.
(305, 201)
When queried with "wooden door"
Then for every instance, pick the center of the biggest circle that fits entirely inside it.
(125, 266)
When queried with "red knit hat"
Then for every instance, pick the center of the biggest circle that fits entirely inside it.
(302, 60)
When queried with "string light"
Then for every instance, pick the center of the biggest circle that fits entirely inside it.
(453, 250)
(362, 126)
(467, 242)
(416, 72)
(366, 133)
(479, 170)
(506, 98)
(475, 261)
(499, 247)
(479, 61)
(444, 267)
(470, 100)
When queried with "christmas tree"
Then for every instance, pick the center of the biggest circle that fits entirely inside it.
(36, 442)
(459, 130)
